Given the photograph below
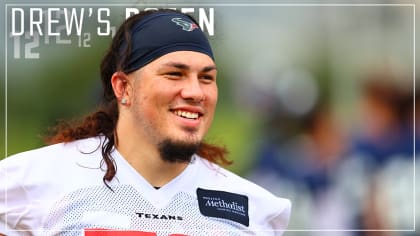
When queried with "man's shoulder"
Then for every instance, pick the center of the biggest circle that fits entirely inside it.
(55, 152)
(266, 206)
(218, 177)
(61, 167)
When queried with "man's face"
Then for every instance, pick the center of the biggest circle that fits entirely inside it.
(168, 95)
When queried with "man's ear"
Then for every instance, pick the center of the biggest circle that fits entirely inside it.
(121, 86)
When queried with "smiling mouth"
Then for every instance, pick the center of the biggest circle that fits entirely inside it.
(187, 114)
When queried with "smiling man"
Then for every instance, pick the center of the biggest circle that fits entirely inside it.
(139, 165)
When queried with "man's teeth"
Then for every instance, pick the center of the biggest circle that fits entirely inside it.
(186, 114)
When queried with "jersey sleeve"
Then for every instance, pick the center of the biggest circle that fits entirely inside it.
(280, 221)
(13, 200)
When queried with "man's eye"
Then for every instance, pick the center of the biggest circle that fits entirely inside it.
(174, 74)
(207, 78)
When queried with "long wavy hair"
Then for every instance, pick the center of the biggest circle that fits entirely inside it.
(103, 121)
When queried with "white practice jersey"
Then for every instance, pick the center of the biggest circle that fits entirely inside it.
(58, 190)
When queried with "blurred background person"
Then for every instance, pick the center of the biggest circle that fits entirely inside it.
(383, 145)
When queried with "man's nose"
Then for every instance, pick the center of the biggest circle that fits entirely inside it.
(192, 90)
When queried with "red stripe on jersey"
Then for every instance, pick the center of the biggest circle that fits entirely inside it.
(110, 232)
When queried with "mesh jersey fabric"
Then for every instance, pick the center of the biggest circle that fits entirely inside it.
(58, 190)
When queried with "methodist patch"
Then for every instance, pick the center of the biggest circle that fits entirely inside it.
(224, 205)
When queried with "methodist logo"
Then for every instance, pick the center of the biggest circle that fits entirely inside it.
(224, 205)
(220, 203)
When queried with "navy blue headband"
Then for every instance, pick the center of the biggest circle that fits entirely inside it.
(161, 33)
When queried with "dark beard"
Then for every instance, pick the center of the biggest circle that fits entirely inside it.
(171, 151)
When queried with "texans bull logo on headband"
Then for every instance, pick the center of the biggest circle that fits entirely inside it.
(187, 26)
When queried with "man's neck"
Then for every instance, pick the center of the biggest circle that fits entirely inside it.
(145, 158)
(155, 170)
